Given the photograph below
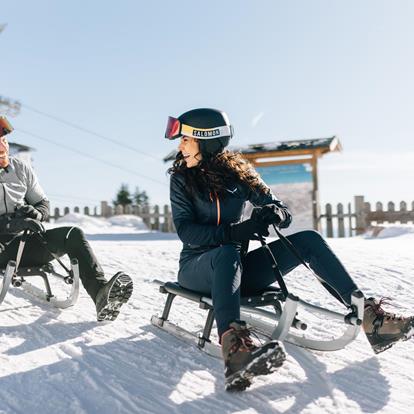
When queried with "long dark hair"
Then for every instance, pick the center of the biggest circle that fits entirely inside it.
(214, 174)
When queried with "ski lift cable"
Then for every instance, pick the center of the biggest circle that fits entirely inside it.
(84, 154)
(89, 131)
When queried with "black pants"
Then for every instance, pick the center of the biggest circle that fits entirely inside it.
(223, 274)
(60, 241)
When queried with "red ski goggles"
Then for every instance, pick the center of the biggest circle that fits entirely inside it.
(5, 126)
(176, 129)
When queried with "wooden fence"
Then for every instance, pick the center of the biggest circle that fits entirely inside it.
(344, 221)
(347, 222)
(155, 217)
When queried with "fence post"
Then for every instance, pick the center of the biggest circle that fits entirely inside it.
(350, 219)
(168, 225)
(329, 224)
(341, 225)
(156, 216)
(360, 214)
(145, 216)
(86, 211)
(76, 210)
(412, 212)
(367, 207)
(57, 213)
(66, 211)
(403, 209)
(119, 209)
(104, 209)
(379, 209)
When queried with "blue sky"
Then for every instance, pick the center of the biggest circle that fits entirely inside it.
(281, 70)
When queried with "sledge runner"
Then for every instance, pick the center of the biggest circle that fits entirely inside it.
(24, 206)
(208, 190)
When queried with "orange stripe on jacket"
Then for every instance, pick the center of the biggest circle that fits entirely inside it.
(218, 209)
(217, 204)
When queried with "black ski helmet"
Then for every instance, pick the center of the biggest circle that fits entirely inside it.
(208, 118)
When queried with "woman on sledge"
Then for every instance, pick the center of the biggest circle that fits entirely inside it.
(209, 187)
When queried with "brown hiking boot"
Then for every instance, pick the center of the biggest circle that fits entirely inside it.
(243, 360)
(384, 329)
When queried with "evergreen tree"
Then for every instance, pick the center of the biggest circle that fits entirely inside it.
(123, 197)
(140, 198)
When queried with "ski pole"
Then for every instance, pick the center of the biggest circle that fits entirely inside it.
(289, 245)
(275, 267)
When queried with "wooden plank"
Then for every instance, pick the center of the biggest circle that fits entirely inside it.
(367, 209)
(341, 225)
(391, 216)
(329, 224)
(349, 215)
(276, 154)
(156, 216)
(315, 195)
(379, 209)
(360, 214)
(284, 162)
(403, 209)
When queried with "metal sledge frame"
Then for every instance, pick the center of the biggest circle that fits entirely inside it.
(16, 276)
(275, 325)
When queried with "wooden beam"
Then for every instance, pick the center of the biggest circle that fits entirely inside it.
(287, 153)
(315, 195)
(270, 154)
(284, 162)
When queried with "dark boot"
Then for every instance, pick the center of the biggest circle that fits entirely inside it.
(243, 360)
(112, 296)
(384, 329)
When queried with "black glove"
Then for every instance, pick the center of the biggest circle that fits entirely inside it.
(16, 225)
(28, 211)
(272, 214)
(251, 229)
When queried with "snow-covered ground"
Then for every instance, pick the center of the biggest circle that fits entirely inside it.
(54, 361)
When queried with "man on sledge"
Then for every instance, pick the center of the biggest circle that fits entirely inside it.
(23, 207)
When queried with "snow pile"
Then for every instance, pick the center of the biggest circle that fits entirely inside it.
(125, 223)
(128, 220)
(385, 231)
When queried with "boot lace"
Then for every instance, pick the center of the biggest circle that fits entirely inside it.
(379, 311)
(243, 341)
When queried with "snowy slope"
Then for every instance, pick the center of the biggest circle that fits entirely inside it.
(55, 361)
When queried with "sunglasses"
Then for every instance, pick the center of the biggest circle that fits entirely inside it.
(5, 126)
(176, 129)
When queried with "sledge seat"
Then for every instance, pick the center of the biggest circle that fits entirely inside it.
(264, 297)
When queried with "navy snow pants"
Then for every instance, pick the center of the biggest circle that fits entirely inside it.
(222, 274)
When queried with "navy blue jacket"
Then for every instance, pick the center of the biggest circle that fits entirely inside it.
(201, 220)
